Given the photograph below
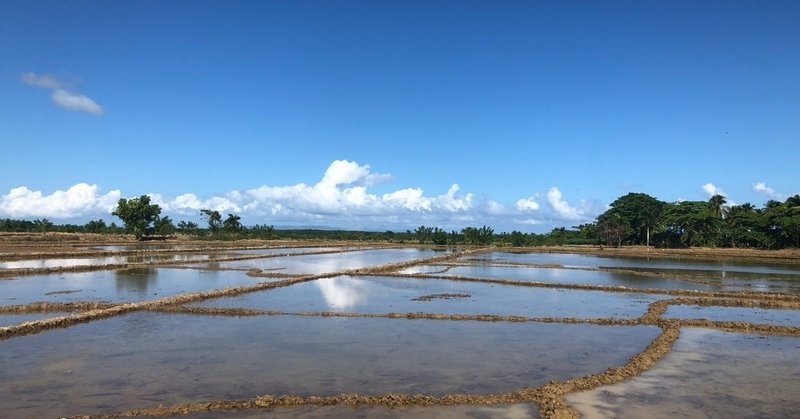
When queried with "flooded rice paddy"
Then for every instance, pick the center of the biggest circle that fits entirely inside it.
(390, 294)
(335, 331)
(708, 373)
(163, 358)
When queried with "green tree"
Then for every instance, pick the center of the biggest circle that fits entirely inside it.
(214, 219)
(693, 223)
(188, 227)
(164, 226)
(423, 233)
(439, 236)
(517, 238)
(635, 215)
(717, 206)
(42, 225)
(95, 226)
(137, 214)
(613, 227)
(232, 223)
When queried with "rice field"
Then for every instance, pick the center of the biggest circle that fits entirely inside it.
(343, 330)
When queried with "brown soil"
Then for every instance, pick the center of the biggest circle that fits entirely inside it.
(430, 297)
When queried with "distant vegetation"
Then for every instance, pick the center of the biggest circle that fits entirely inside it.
(633, 219)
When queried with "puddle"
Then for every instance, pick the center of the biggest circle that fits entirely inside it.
(108, 260)
(708, 373)
(511, 411)
(574, 259)
(146, 359)
(12, 319)
(784, 317)
(389, 294)
(318, 264)
(120, 285)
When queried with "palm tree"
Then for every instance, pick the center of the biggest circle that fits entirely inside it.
(717, 206)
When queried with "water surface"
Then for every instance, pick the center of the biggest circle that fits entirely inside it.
(784, 317)
(334, 262)
(104, 260)
(116, 285)
(391, 294)
(146, 359)
(708, 373)
(502, 411)
(7, 319)
(578, 259)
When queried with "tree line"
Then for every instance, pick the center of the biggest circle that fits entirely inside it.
(632, 219)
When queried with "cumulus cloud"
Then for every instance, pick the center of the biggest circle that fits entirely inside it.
(81, 199)
(528, 204)
(341, 198)
(62, 96)
(762, 188)
(561, 207)
(712, 190)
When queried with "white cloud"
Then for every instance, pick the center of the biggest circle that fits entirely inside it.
(61, 95)
(495, 208)
(79, 200)
(762, 188)
(75, 102)
(341, 198)
(528, 204)
(43, 81)
(712, 190)
(562, 208)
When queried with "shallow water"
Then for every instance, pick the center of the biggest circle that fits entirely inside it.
(783, 317)
(119, 285)
(286, 250)
(318, 264)
(150, 246)
(502, 411)
(146, 359)
(577, 259)
(571, 276)
(106, 260)
(388, 294)
(12, 319)
(708, 373)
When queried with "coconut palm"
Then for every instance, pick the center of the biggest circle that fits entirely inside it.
(717, 206)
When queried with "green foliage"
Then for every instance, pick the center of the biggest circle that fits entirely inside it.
(164, 226)
(95, 226)
(188, 227)
(137, 214)
(423, 233)
(630, 219)
(214, 219)
(474, 235)
(232, 224)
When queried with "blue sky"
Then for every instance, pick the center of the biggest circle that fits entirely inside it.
(365, 114)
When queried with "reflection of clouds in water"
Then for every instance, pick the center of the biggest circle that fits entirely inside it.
(342, 293)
